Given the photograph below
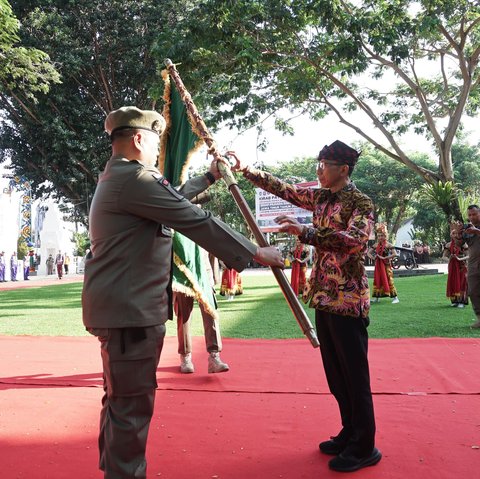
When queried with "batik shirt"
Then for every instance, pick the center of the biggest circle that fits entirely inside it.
(342, 223)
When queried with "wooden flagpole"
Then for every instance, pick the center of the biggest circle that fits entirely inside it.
(292, 300)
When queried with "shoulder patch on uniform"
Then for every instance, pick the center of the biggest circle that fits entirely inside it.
(166, 184)
(161, 179)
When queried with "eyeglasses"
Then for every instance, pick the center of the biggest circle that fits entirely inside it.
(322, 165)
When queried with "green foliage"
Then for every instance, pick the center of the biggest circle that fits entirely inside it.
(243, 62)
(22, 248)
(223, 204)
(443, 195)
(82, 243)
(391, 185)
(298, 170)
(430, 224)
(464, 201)
(466, 162)
(261, 312)
(248, 60)
(25, 72)
(102, 50)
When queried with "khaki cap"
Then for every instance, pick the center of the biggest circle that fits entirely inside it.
(133, 117)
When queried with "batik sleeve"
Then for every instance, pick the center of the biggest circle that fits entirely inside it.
(350, 240)
(301, 197)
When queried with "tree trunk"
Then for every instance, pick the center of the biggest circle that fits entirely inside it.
(398, 218)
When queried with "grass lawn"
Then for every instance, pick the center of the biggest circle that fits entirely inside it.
(261, 312)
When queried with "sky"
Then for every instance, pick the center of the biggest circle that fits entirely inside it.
(310, 137)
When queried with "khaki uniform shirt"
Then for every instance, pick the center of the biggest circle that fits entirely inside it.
(132, 213)
(473, 242)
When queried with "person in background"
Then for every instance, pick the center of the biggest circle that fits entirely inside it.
(50, 264)
(471, 234)
(59, 260)
(456, 251)
(301, 256)
(32, 261)
(26, 268)
(382, 252)
(193, 262)
(66, 263)
(426, 253)
(3, 268)
(231, 285)
(419, 253)
(13, 266)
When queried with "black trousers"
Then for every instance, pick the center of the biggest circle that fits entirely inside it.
(344, 349)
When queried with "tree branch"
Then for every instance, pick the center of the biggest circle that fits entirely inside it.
(104, 81)
(416, 89)
(24, 107)
(428, 175)
(472, 26)
(87, 91)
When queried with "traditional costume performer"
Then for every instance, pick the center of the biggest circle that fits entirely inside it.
(456, 252)
(299, 267)
(383, 285)
(231, 283)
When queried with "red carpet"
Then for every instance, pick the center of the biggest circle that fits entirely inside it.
(262, 419)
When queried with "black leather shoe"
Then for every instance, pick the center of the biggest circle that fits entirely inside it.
(344, 463)
(332, 447)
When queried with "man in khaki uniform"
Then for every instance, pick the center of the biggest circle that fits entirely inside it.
(472, 237)
(126, 298)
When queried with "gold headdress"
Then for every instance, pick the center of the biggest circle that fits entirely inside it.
(455, 225)
(456, 228)
(381, 228)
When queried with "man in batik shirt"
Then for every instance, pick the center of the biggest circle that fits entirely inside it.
(338, 290)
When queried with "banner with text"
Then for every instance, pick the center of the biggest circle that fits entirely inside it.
(268, 207)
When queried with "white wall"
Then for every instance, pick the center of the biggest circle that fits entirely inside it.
(55, 235)
(402, 233)
(9, 223)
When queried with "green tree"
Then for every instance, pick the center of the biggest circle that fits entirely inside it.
(298, 170)
(253, 59)
(430, 224)
(466, 160)
(25, 72)
(391, 185)
(102, 49)
(222, 204)
(82, 243)
(22, 248)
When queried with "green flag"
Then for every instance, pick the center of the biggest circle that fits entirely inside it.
(179, 142)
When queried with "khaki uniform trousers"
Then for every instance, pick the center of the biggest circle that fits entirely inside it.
(183, 307)
(130, 358)
(473, 281)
